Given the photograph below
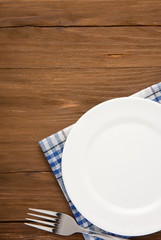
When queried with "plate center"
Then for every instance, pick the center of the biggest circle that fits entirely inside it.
(126, 169)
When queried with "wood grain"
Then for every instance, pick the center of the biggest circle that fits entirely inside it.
(80, 47)
(19, 231)
(57, 60)
(80, 13)
(29, 189)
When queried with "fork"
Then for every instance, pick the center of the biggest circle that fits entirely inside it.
(63, 224)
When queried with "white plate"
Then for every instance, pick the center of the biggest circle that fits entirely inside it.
(112, 166)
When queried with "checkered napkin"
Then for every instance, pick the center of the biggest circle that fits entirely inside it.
(53, 145)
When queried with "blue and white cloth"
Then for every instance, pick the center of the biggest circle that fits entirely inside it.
(53, 145)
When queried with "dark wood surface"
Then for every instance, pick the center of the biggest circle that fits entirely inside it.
(57, 60)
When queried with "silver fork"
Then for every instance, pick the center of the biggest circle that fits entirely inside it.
(63, 224)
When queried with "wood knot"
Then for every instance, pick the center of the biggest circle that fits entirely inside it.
(116, 55)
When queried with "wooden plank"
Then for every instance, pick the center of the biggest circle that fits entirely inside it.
(80, 47)
(19, 191)
(36, 103)
(19, 231)
(80, 13)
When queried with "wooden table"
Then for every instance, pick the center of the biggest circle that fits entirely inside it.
(57, 60)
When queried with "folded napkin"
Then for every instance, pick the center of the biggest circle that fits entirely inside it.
(53, 145)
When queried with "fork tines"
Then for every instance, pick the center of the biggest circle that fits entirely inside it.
(53, 221)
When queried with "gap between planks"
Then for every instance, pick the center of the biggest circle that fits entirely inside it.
(13, 172)
(86, 26)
